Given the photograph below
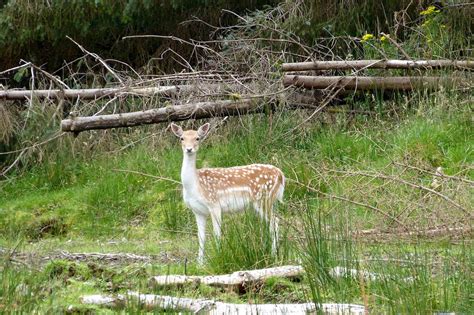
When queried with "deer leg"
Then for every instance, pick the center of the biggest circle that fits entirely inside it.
(201, 225)
(216, 217)
(264, 209)
(259, 208)
(274, 231)
(273, 221)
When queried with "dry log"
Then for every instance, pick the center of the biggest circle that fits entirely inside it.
(367, 83)
(378, 64)
(152, 301)
(238, 278)
(164, 114)
(88, 94)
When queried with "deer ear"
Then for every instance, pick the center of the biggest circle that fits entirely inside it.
(203, 130)
(177, 130)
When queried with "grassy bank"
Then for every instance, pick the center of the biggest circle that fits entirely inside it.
(344, 175)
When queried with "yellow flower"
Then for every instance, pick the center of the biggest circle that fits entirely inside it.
(430, 10)
(384, 38)
(367, 37)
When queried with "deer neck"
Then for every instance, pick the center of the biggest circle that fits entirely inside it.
(189, 177)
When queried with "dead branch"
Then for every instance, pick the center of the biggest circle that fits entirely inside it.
(378, 64)
(26, 65)
(242, 278)
(174, 38)
(442, 175)
(96, 57)
(18, 158)
(399, 47)
(152, 301)
(61, 85)
(369, 83)
(57, 135)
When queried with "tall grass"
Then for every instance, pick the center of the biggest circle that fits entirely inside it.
(246, 244)
(412, 278)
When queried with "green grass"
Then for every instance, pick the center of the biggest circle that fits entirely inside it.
(78, 201)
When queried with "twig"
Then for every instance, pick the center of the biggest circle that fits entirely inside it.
(148, 175)
(16, 68)
(54, 79)
(179, 40)
(3, 173)
(407, 56)
(96, 57)
(59, 134)
(442, 175)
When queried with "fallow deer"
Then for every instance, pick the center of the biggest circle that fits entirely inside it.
(213, 191)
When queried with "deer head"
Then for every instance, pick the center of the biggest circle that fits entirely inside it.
(190, 139)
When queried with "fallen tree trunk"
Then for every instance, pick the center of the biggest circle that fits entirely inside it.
(164, 114)
(367, 83)
(88, 94)
(378, 64)
(152, 301)
(236, 279)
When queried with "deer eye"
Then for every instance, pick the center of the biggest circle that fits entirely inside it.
(182, 138)
(197, 139)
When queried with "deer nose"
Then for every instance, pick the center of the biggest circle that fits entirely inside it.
(189, 150)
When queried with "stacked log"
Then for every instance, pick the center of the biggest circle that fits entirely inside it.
(378, 64)
(325, 89)
(353, 82)
(367, 83)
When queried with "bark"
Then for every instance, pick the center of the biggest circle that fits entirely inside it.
(238, 278)
(164, 114)
(367, 83)
(378, 64)
(152, 301)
